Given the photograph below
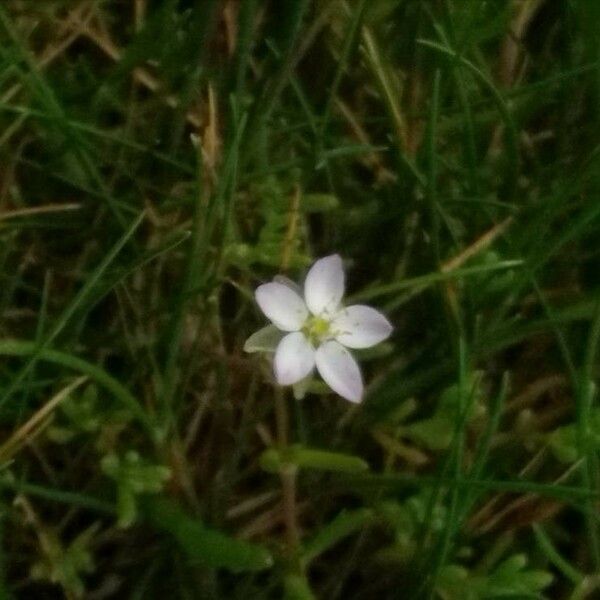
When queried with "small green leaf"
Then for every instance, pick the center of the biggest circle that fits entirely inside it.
(453, 582)
(512, 577)
(319, 388)
(327, 461)
(564, 441)
(264, 340)
(202, 545)
(273, 460)
(126, 506)
(68, 565)
(437, 431)
(78, 415)
(133, 476)
(301, 387)
(434, 433)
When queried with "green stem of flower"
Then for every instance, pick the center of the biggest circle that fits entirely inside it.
(287, 474)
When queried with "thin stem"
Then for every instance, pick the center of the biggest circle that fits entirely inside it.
(287, 474)
(282, 419)
(288, 488)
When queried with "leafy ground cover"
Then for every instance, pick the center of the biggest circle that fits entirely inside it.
(159, 159)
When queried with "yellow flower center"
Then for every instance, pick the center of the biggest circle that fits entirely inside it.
(316, 329)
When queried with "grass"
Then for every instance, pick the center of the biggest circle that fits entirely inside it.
(160, 159)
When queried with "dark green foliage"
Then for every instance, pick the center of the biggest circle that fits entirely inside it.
(161, 158)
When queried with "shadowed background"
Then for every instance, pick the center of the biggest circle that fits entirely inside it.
(159, 159)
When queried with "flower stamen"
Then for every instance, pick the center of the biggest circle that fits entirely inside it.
(316, 329)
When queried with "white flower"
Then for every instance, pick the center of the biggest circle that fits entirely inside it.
(317, 329)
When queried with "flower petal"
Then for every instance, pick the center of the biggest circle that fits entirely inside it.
(360, 327)
(294, 359)
(284, 307)
(339, 370)
(324, 285)
(264, 340)
(288, 282)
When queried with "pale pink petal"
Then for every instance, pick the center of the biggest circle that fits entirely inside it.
(339, 370)
(324, 285)
(282, 305)
(294, 359)
(360, 327)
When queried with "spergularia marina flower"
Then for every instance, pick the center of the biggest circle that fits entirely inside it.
(315, 330)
